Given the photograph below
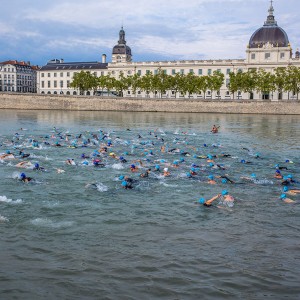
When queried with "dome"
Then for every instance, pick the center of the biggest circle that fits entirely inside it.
(270, 33)
(274, 35)
(121, 49)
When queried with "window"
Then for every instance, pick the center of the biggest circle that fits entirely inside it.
(191, 71)
(147, 72)
(228, 71)
(61, 84)
(252, 55)
(49, 84)
(209, 72)
(282, 55)
(49, 75)
(61, 74)
(68, 83)
(182, 71)
(55, 83)
(68, 74)
(55, 74)
(219, 70)
(227, 82)
(267, 55)
(165, 71)
(139, 72)
(173, 71)
(155, 72)
(43, 84)
(95, 74)
(42, 74)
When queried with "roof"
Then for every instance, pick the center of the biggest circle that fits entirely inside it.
(15, 62)
(94, 65)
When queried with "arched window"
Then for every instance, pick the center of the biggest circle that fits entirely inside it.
(74, 93)
(68, 93)
(61, 92)
(49, 93)
(119, 58)
(88, 93)
(42, 92)
(55, 93)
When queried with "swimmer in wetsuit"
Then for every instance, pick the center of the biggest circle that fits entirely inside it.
(208, 203)
(24, 178)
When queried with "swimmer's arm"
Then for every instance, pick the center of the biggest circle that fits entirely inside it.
(212, 199)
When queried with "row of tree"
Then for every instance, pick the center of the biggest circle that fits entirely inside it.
(260, 81)
(265, 83)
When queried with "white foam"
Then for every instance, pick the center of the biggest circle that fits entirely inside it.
(3, 219)
(101, 187)
(118, 166)
(44, 222)
(5, 199)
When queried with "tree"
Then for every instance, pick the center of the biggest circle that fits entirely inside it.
(83, 81)
(146, 83)
(265, 82)
(293, 80)
(216, 81)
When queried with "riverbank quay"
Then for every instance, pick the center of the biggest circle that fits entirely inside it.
(96, 103)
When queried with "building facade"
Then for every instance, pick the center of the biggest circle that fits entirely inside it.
(268, 49)
(18, 77)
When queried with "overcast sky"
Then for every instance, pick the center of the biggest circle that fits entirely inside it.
(81, 30)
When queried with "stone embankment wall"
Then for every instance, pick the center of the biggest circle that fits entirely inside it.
(60, 102)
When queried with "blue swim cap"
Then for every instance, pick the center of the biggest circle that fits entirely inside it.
(124, 183)
(36, 165)
(211, 177)
(162, 161)
(121, 157)
(209, 156)
(285, 189)
(243, 161)
(224, 180)
(211, 165)
(132, 166)
(22, 175)
(287, 161)
(205, 145)
(125, 153)
(193, 169)
(188, 174)
(85, 162)
(224, 192)
(282, 196)
(201, 200)
(7, 152)
(83, 155)
(285, 178)
(195, 156)
(253, 175)
(278, 172)
(290, 176)
(121, 177)
(175, 162)
(277, 166)
(182, 159)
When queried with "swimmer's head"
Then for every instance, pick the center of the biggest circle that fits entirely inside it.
(121, 158)
(277, 172)
(204, 145)
(224, 180)
(253, 175)
(132, 166)
(211, 165)
(277, 166)
(285, 189)
(85, 163)
(124, 183)
(182, 159)
(289, 176)
(157, 167)
(209, 156)
(36, 165)
(287, 160)
(125, 153)
(195, 156)
(224, 192)
(243, 161)
(201, 200)
(7, 152)
(166, 169)
(188, 174)
(175, 162)
(193, 169)
(282, 196)
(162, 161)
(22, 176)
(121, 177)
(211, 177)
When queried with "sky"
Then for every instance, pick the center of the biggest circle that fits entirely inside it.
(82, 30)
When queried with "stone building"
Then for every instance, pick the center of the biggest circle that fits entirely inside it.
(268, 48)
(18, 76)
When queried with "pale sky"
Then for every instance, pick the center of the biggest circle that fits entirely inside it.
(81, 30)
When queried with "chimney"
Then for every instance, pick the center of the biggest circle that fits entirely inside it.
(28, 63)
(104, 58)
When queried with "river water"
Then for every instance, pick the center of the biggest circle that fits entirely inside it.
(80, 235)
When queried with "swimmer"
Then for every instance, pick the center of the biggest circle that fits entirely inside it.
(166, 172)
(122, 159)
(208, 203)
(70, 162)
(24, 178)
(215, 129)
(243, 161)
(226, 178)
(278, 175)
(146, 174)
(59, 171)
(23, 155)
(133, 168)
(7, 155)
(38, 167)
(24, 164)
(211, 180)
(291, 191)
(284, 198)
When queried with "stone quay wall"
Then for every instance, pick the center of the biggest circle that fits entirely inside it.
(95, 103)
